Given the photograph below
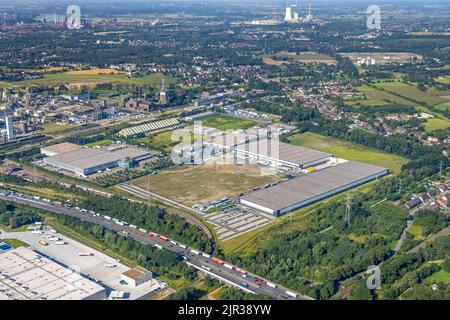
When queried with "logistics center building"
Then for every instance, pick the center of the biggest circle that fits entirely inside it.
(315, 186)
(281, 154)
(85, 161)
(27, 275)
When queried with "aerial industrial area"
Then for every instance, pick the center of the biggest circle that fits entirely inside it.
(224, 151)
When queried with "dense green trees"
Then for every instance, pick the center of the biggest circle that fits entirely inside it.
(409, 270)
(150, 217)
(431, 221)
(231, 293)
(160, 262)
(313, 263)
(187, 294)
(14, 216)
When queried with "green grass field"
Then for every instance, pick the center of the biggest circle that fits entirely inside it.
(378, 97)
(99, 143)
(162, 140)
(192, 185)
(15, 243)
(224, 123)
(55, 128)
(443, 106)
(440, 276)
(348, 150)
(416, 231)
(436, 124)
(56, 79)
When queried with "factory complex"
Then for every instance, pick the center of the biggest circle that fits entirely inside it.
(84, 161)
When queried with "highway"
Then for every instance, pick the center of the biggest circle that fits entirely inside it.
(239, 278)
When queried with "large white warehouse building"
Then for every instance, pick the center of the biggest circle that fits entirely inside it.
(27, 275)
(304, 190)
(281, 154)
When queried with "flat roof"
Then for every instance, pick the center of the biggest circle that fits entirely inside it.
(61, 148)
(231, 139)
(283, 151)
(26, 275)
(305, 187)
(136, 273)
(85, 158)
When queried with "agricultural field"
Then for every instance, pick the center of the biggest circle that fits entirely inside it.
(443, 106)
(436, 124)
(304, 58)
(94, 77)
(223, 122)
(348, 150)
(379, 97)
(192, 185)
(430, 97)
(444, 80)
(95, 72)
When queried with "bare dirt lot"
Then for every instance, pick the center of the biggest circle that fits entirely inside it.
(192, 185)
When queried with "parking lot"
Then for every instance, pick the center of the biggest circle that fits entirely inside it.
(235, 220)
(99, 267)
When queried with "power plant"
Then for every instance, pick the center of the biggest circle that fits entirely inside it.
(292, 16)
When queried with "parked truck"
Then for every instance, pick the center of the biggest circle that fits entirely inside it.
(292, 294)
(228, 266)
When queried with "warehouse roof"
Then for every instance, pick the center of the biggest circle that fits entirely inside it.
(283, 151)
(149, 127)
(85, 158)
(312, 185)
(61, 148)
(26, 275)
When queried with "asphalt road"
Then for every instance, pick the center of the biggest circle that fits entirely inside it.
(202, 262)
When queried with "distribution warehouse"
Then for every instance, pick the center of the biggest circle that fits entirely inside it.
(84, 161)
(304, 190)
(282, 154)
(27, 275)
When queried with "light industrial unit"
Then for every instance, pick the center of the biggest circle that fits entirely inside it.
(304, 190)
(136, 276)
(85, 161)
(281, 154)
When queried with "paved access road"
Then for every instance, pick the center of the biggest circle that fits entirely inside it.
(219, 269)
